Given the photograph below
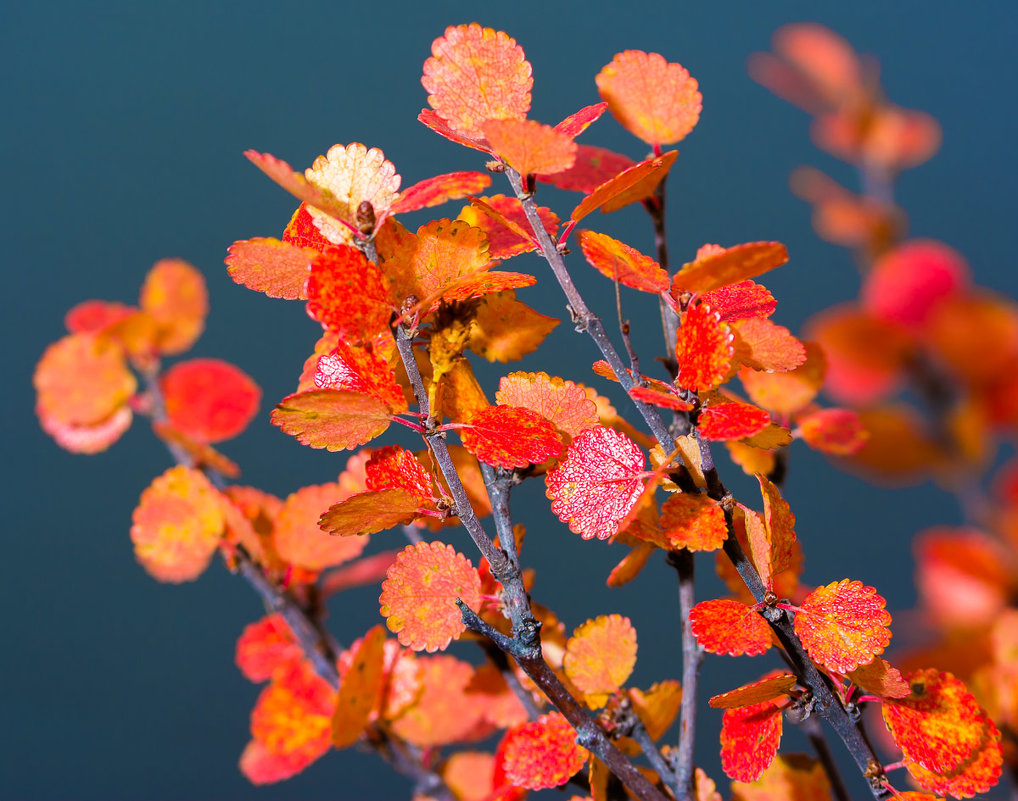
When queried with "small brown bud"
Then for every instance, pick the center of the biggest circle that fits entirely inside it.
(365, 217)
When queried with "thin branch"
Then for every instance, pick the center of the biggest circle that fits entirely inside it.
(692, 658)
(812, 729)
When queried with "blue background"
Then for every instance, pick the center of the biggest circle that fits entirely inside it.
(123, 129)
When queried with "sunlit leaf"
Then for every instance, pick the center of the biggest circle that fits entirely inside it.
(618, 261)
(510, 436)
(788, 392)
(175, 296)
(361, 688)
(528, 146)
(656, 397)
(843, 625)
(177, 525)
(299, 540)
(348, 294)
(393, 467)
(577, 122)
(209, 400)
(440, 189)
(837, 431)
(780, 527)
(302, 232)
(358, 369)
(419, 595)
(703, 349)
(694, 522)
(370, 512)
(750, 736)
(597, 483)
(768, 689)
(508, 229)
(764, 345)
(331, 419)
(653, 99)
(728, 266)
(351, 175)
(477, 74)
(593, 167)
(723, 626)
(877, 677)
(600, 657)
(628, 186)
(724, 421)
(541, 754)
(278, 269)
(560, 401)
(740, 301)
(265, 647)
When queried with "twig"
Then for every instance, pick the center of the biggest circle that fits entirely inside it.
(816, 737)
(692, 658)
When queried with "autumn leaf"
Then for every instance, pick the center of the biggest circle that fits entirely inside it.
(298, 538)
(393, 467)
(658, 706)
(442, 711)
(362, 370)
(877, 677)
(501, 707)
(727, 627)
(657, 397)
(790, 776)
(725, 421)
(506, 329)
(694, 522)
(350, 176)
(764, 345)
(529, 147)
(628, 186)
(278, 269)
(600, 657)
(779, 524)
(788, 392)
(654, 100)
(370, 512)
(332, 419)
(175, 296)
(96, 316)
(541, 754)
(843, 625)
(728, 266)
(618, 261)
(419, 595)
(740, 301)
(265, 647)
(703, 349)
(439, 189)
(632, 564)
(348, 294)
(577, 122)
(502, 218)
(559, 401)
(510, 436)
(593, 166)
(477, 74)
(750, 736)
(209, 400)
(302, 232)
(177, 525)
(837, 431)
(361, 688)
(597, 483)
(769, 689)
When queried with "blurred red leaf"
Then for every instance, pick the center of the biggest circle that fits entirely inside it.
(361, 689)
(175, 296)
(837, 431)
(209, 400)
(265, 647)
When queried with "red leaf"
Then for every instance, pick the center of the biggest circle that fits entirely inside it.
(302, 231)
(769, 689)
(843, 625)
(728, 266)
(618, 261)
(750, 737)
(439, 189)
(331, 419)
(597, 483)
(419, 595)
(576, 123)
(541, 754)
(723, 626)
(393, 467)
(593, 167)
(563, 403)
(348, 294)
(436, 123)
(668, 400)
(299, 540)
(209, 400)
(508, 229)
(703, 349)
(837, 431)
(529, 147)
(510, 436)
(96, 316)
(725, 421)
(266, 647)
(694, 522)
(740, 301)
(632, 184)
(278, 269)
(359, 370)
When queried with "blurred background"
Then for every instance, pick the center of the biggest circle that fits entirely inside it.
(123, 141)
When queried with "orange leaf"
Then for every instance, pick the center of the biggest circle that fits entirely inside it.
(506, 329)
(175, 296)
(694, 522)
(439, 189)
(600, 657)
(632, 563)
(593, 166)
(597, 483)
(486, 283)
(654, 100)
(780, 527)
(332, 419)
(979, 774)
(786, 393)
(82, 380)
(469, 775)
(877, 677)
(703, 349)
(658, 706)
(501, 706)
(528, 146)
(510, 436)
(266, 647)
(769, 689)
(724, 421)
(740, 301)
(419, 595)
(723, 626)
(508, 229)
(843, 625)
(177, 525)
(297, 185)
(433, 121)
(361, 370)
(209, 400)
(370, 512)
(477, 74)
(628, 186)
(348, 294)
(299, 540)
(278, 269)
(728, 266)
(361, 689)
(541, 754)
(750, 736)
(620, 262)
(561, 402)
(443, 711)
(789, 776)
(764, 345)
(393, 467)
(837, 431)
